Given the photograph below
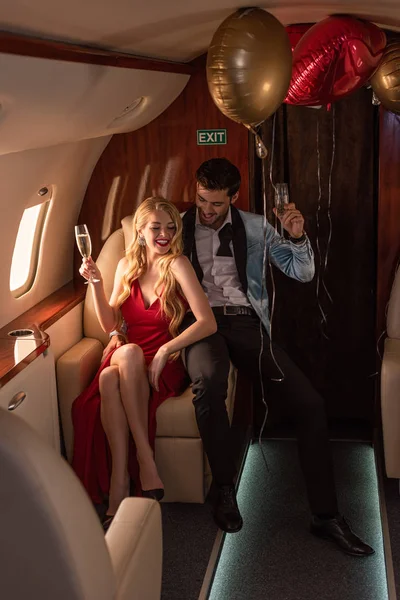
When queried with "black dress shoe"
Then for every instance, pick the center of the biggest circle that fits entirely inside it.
(338, 531)
(226, 511)
(157, 494)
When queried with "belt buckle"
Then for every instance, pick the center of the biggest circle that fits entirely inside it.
(226, 311)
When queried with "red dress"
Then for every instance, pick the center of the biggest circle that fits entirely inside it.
(147, 328)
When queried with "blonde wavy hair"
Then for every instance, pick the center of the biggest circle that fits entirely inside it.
(167, 288)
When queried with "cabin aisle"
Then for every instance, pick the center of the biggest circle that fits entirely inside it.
(275, 557)
(392, 498)
(188, 537)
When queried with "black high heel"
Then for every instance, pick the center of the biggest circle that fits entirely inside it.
(157, 494)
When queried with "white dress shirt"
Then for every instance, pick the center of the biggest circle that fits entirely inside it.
(221, 281)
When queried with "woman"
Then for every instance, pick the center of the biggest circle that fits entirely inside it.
(153, 286)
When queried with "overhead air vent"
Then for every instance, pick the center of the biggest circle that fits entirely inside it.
(128, 113)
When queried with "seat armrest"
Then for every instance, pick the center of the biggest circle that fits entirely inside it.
(75, 369)
(134, 542)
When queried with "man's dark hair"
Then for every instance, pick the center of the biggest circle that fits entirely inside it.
(219, 174)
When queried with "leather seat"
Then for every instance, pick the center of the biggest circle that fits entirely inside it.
(390, 383)
(180, 458)
(52, 543)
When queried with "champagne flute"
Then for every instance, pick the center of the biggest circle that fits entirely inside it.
(84, 244)
(281, 198)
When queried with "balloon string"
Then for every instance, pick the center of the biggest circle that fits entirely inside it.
(272, 313)
(271, 165)
(329, 204)
(263, 176)
(323, 321)
(261, 327)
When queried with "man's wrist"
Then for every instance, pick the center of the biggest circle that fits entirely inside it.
(298, 239)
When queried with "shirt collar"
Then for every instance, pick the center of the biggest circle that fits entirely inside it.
(228, 219)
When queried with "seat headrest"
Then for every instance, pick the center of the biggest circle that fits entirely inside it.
(107, 261)
(393, 315)
(52, 542)
(127, 229)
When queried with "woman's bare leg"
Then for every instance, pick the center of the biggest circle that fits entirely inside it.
(115, 425)
(135, 393)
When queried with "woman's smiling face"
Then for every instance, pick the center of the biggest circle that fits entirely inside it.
(159, 232)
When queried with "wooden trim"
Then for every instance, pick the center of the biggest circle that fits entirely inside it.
(38, 318)
(11, 43)
(49, 310)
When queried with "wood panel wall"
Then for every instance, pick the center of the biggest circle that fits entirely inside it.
(388, 252)
(161, 159)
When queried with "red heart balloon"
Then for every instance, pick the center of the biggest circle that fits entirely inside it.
(334, 58)
(296, 32)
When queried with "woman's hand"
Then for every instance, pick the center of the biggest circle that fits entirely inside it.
(90, 269)
(115, 342)
(156, 366)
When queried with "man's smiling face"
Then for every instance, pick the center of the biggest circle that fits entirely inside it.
(213, 206)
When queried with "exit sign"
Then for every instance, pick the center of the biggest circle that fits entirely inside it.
(211, 137)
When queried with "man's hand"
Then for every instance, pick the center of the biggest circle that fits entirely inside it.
(156, 366)
(292, 220)
(115, 342)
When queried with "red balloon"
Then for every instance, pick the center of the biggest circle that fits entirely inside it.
(334, 58)
(296, 32)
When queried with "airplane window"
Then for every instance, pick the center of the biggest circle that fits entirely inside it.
(26, 249)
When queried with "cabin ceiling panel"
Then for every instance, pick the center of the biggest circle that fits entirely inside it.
(67, 168)
(175, 30)
(46, 102)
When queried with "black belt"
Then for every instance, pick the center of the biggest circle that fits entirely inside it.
(232, 310)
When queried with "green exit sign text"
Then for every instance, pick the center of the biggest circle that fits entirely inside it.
(211, 137)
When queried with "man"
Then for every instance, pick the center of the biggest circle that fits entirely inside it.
(226, 248)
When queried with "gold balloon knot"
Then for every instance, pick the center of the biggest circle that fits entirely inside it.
(261, 150)
(375, 99)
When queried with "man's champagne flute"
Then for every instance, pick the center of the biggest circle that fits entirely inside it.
(84, 244)
(281, 198)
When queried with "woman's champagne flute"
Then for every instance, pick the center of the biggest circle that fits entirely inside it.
(84, 244)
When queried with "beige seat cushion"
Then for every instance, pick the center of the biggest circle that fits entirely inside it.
(52, 544)
(176, 417)
(393, 314)
(390, 404)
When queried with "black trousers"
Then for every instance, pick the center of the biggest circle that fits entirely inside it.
(238, 339)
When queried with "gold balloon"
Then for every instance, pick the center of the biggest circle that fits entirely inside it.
(386, 79)
(249, 66)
